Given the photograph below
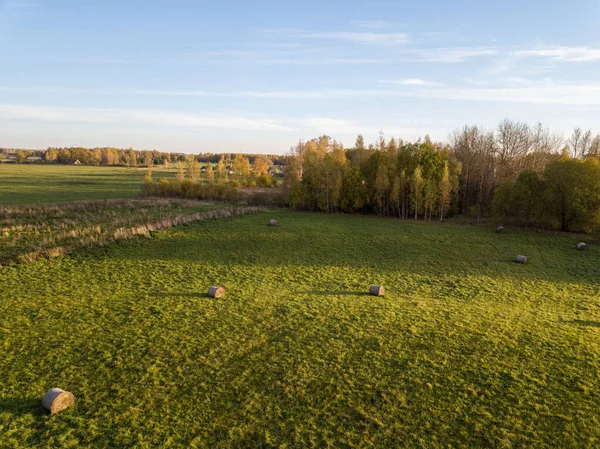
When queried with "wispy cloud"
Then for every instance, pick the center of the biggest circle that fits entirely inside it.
(547, 93)
(415, 82)
(313, 61)
(362, 38)
(370, 38)
(155, 119)
(456, 54)
(560, 53)
(437, 55)
(371, 24)
(439, 36)
(136, 116)
(513, 89)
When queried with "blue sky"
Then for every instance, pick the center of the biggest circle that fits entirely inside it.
(256, 76)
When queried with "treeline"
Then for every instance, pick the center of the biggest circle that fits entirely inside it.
(127, 157)
(216, 157)
(518, 173)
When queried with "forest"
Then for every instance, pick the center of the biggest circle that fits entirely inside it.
(528, 176)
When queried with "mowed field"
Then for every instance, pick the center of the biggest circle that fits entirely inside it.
(31, 184)
(466, 350)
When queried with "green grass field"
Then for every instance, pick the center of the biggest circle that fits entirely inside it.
(30, 183)
(466, 350)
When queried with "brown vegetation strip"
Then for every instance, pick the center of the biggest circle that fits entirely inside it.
(95, 236)
(61, 208)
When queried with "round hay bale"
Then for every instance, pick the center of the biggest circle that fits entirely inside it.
(581, 246)
(521, 259)
(57, 399)
(273, 223)
(500, 229)
(377, 290)
(216, 292)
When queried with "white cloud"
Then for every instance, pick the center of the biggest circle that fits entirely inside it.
(362, 38)
(565, 94)
(438, 36)
(518, 81)
(510, 90)
(457, 54)
(324, 60)
(331, 125)
(347, 36)
(136, 116)
(371, 24)
(415, 82)
(560, 53)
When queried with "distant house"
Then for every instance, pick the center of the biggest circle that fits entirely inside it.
(34, 158)
(9, 158)
(77, 162)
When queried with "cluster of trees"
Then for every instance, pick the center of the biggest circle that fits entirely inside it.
(215, 157)
(236, 171)
(565, 196)
(212, 182)
(516, 172)
(489, 158)
(401, 179)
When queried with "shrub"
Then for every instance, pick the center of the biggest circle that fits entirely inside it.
(191, 190)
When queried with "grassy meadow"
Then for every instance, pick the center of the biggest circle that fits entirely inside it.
(45, 183)
(467, 349)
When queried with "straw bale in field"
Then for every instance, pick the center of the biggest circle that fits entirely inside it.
(216, 292)
(377, 290)
(57, 399)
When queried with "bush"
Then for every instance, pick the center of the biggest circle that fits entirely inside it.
(191, 190)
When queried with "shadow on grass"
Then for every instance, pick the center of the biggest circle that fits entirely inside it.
(19, 406)
(334, 293)
(585, 323)
(350, 242)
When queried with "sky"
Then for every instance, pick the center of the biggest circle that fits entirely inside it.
(257, 76)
